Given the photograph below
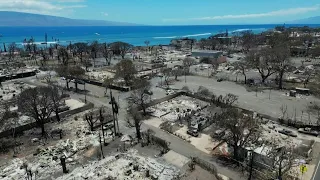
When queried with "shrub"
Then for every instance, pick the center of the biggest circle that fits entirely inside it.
(203, 91)
(185, 88)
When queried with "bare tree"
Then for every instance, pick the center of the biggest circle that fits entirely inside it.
(12, 48)
(64, 55)
(106, 83)
(147, 44)
(94, 49)
(107, 53)
(242, 130)
(284, 111)
(212, 43)
(248, 40)
(191, 42)
(120, 48)
(315, 52)
(226, 101)
(76, 72)
(176, 72)
(308, 75)
(167, 72)
(56, 100)
(202, 43)
(137, 121)
(141, 95)
(63, 71)
(263, 61)
(50, 52)
(91, 119)
(80, 49)
(125, 69)
(70, 73)
(188, 62)
(282, 160)
(36, 103)
(44, 56)
(281, 56)
(242, 66)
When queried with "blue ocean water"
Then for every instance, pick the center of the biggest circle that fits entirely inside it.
(135, 35)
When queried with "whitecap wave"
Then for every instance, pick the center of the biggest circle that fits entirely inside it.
(255, 29)
(241, 30)
(168, 37)
(39, 43)
(196, 35)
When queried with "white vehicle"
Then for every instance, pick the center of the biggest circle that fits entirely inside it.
(170, 92)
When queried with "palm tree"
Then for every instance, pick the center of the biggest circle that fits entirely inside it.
(147, 44)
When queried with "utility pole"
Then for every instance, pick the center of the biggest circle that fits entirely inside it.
(115, 110)
(113, 116)
(46, 39)
(280, 165)
(251, 165)
(85, 94)
(101, 148)
(185, 74)
(270, 94)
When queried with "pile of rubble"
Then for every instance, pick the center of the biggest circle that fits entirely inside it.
(124, 166)
(170, 110)
(15, 122)
(9, 91)
(100, 75)
(46, 160)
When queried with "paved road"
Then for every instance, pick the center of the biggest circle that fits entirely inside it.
(316, 174)
(259, 102)
(177, 144)
(186, 149)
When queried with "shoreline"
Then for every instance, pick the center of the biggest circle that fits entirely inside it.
(135, 35)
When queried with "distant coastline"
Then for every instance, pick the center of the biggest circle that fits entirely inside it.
(135, 35)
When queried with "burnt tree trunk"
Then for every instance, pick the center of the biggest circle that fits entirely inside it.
(281, 73)
(67, 83)
(57, 114)
(43, 132)
(137, 126)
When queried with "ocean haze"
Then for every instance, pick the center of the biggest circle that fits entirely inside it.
(11, 19)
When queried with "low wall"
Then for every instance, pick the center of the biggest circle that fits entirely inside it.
(96, 83)
(29, 126)
(207, 166)
(16, 76)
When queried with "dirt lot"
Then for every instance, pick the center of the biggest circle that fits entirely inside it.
(199, 174)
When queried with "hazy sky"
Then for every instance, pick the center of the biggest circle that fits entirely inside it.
(172, 12)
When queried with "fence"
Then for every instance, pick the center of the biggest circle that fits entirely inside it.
(16, 76)
(29, 126)
(207, 166)
(157, 140)
(125, 89)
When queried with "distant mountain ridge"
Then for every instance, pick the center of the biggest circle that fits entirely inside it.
(310, 20)
(10, 18)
